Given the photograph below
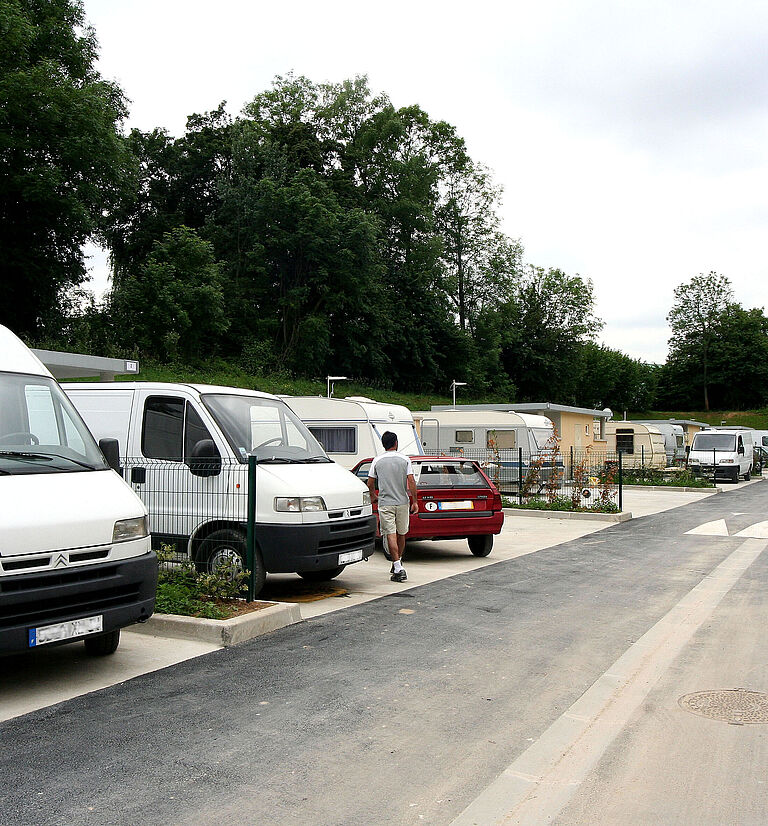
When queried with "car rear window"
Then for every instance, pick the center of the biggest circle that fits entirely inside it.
(448, 475)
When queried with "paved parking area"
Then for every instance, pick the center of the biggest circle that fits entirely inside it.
(46, 677)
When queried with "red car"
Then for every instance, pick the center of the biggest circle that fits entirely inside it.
(456, 501)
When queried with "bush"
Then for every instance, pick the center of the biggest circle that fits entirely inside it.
(563, 503)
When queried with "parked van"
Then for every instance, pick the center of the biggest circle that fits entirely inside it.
(641, 445)
(457, 431)
(674, 439)
(187, 449)
(722, 453)
(75, 558)
(350, 429)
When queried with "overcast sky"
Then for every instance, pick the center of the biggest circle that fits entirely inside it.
(631, 138)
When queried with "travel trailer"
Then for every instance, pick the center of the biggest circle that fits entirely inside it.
(641, 445)
(75, 557)
(188, 449)
(674, 439)
(350, 429)
(722, 453)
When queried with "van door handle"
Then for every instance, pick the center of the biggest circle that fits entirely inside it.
(138, 475)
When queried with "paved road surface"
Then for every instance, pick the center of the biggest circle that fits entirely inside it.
(407, 709)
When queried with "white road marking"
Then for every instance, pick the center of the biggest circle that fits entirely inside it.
(540, 782)
(716, 528)
(757, 531)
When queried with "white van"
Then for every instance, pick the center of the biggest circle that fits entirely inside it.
(640, 445)
(187, 449)
(350, 429)
(724, 454)
(75, 558)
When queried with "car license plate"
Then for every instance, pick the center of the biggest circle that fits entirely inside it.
(65, 630)
(466, 505)
(350, 556)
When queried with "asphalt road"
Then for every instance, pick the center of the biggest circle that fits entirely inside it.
(406, 709)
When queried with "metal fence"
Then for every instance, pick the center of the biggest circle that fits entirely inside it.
(584, 477)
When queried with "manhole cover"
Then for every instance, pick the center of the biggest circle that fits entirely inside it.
(737, 705)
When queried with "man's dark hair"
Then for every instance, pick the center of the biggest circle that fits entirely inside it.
(388, 439)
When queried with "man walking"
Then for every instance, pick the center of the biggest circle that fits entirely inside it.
(392, 473)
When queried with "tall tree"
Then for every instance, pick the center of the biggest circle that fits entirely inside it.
(63, 161)
(694, 320)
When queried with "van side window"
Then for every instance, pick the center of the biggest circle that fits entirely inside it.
(504, 439)
(625, 440)
(336, 439)
(163, 431)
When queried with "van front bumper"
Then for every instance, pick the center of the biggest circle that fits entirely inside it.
(313, 547)
(121, 592)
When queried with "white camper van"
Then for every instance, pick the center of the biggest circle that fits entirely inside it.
(350, 429)
(462, 431)
(724, 454)
(187, 449)
(75, 558)
(641, 445)
(674, 438)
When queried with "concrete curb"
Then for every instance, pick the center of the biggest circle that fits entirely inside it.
(221, 632)
(673, 489)
(624, 516)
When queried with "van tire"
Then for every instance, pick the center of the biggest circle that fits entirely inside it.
(321, 576)
(748, 476)
(99, 645)
(480, 545)
(229, 544)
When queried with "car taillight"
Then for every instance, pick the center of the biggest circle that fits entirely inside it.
(496, 506)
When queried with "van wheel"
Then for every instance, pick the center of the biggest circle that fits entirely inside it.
(481, 545)
(99, 645)
(227, 547)
(322, 576)
(748, 476)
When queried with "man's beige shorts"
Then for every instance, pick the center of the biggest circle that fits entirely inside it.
(394, 519)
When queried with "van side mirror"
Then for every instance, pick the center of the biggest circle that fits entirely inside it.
(741, 450)
(204, 459)
(111, 450)
(687, 449)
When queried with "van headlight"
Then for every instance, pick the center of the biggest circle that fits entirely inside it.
(725, 461)
(366, 497)
(296, 504)
(127, 529)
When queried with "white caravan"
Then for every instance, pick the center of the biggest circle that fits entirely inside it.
(465, 431)
(350, 429)
(75, 558)
(641, 445)
(188, 448)
(722, 453)
(674, 438)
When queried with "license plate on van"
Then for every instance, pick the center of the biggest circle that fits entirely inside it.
(466, 505)
(350, 556)
(65, 630)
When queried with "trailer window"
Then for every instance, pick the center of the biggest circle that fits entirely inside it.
(625, 440)
(464, 437)
(336, 439)
(502, 439)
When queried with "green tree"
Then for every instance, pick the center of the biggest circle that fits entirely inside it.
(695, 320)
(174, 306)
(63, 160)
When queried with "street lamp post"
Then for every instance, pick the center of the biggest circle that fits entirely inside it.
(454, 385)
(330, 379)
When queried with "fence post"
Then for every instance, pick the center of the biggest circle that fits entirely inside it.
(621, 500)
(520, 475)
(250, 537)
(571, 476)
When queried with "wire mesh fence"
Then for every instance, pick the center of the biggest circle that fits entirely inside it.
(586, 478)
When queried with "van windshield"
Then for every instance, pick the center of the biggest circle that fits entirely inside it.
(714, 441)
(265, 428)
(40, 431)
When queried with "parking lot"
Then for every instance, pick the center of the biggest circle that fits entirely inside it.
(49, 676)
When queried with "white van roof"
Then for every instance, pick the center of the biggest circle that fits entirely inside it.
(16, 357)
(350, 409)
(163, 386)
